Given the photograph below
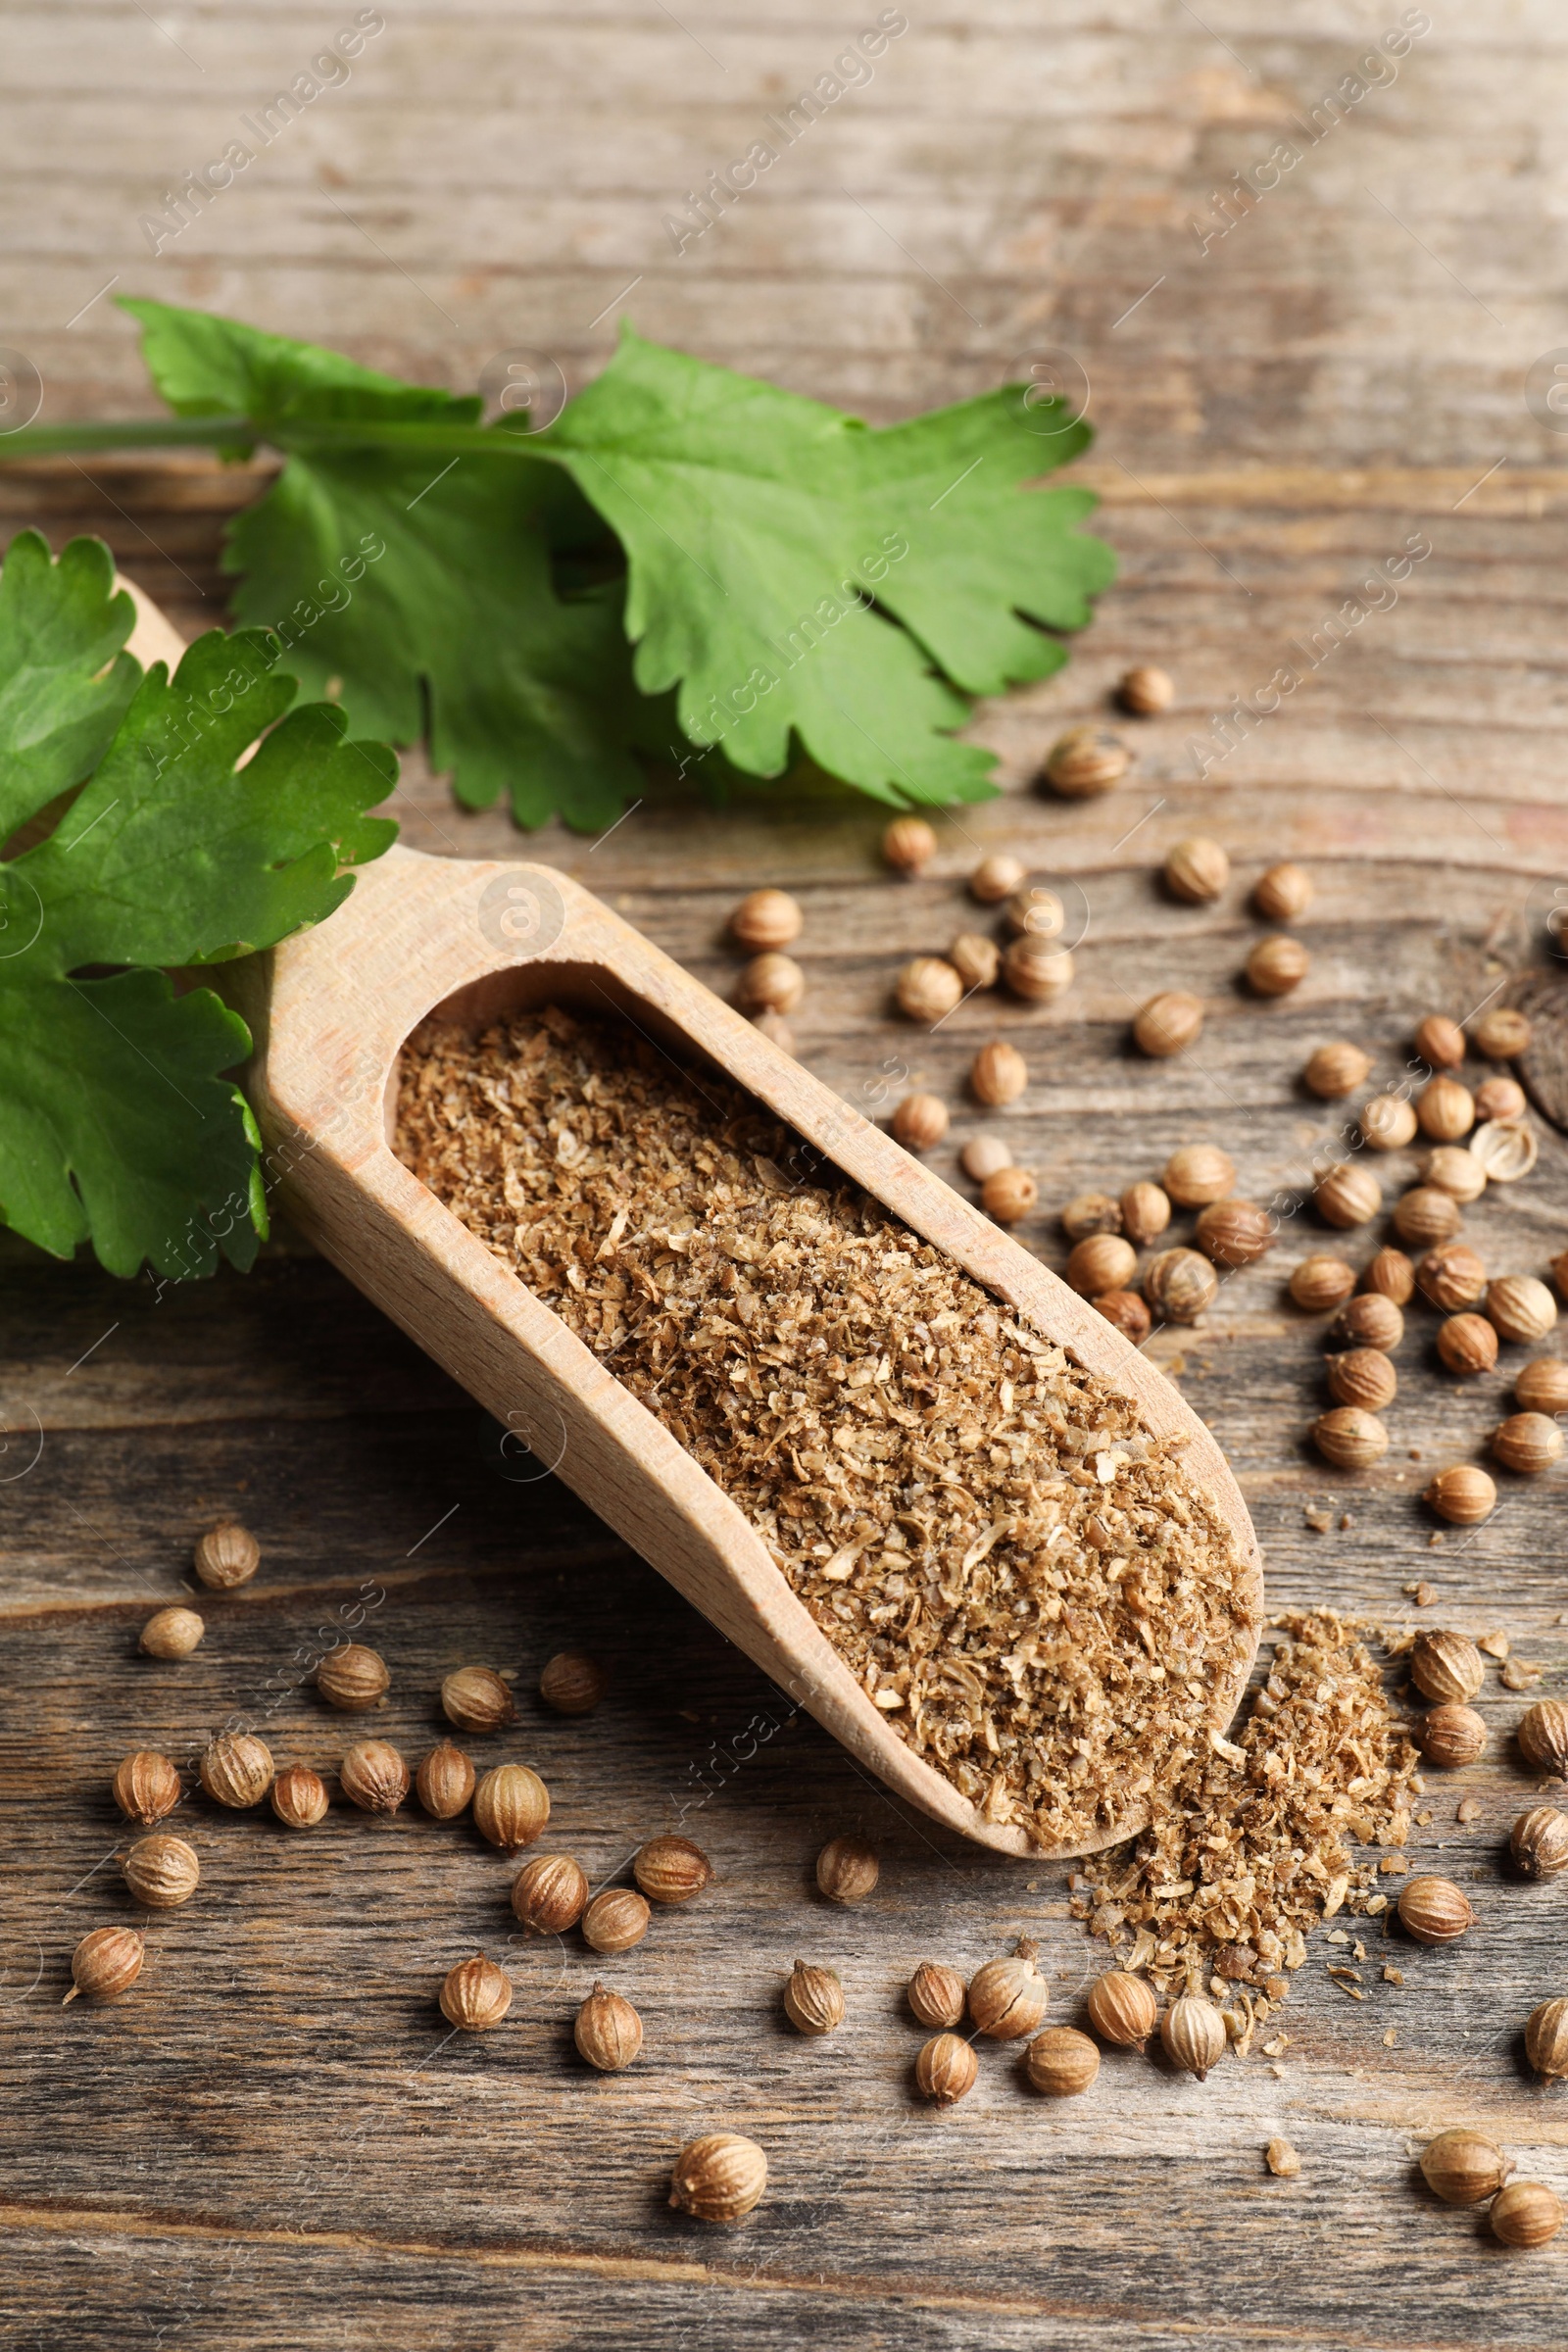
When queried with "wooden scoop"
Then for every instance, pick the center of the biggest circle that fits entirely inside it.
(473, 941)
(330, 1011)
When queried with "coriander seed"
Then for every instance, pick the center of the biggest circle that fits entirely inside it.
(1236, 1233)
(1346, 1195)
(299, 1797)
(571, 1682)
(1467, 1345)
(946, 2070)
(1391, 1273)
(1087, 761)
(476, 1995)
(1539, 1841)
(997, 1074)
(1197, 871)
(847, 1870)
(1500, 1099)
(1502, 1034)
(550, 1894)
(1321, 1283)
(1464, 2168)
(1193, 2035)
(814, 1999)
(1283, 895)
(1434, 1910)
(1505, 1149)
(1122, 2009)
(1168, 1024)
(105, 1963)
(162, 1872)
(928, 989)
(1440, 1042)
(1035, 971)
(767, 919)
(936, 1995)
(1547, 2041)
(1061, 2063)
(1446, 1666)
(445, 1781)
(719, 2178)
(1091, 1212)
(1144, 1214)
(228, 1556)
(1543, 1385)
(374, 1777)
(1426, 1215)
(1446, 1110)
(608, 2033)
(1456, 1172)
(1350, 1438)
(352, 1678)
(1102, 1262)
(1179, 1285)
(615, 1920)
(920, 1122)
(983, 1157)
(171, 1634)
(1199, 1173)
(1527, 1444)
(1462, 1495)
(908, 845)
(1521, 1310)
(1282, 2160)
(771, 983)
(1336, 1070)
(1364, 1377)
(976, 960)
(1035, 913)
(1145, 691)
(477, 1700)
(1451, 1276)
(672, 1869)
(1277, 965)
(146, 1786)
(1451, 1737)
(996, 878)
(1371, 1319)
(1008, 1195)
(1386, 1123)
(237, 1769)
(1127, 1311)
(1008, 1997)
(510, 1806)
(1526, 2214)
(1543, 1736)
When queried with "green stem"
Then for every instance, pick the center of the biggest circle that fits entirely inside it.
(174, 432)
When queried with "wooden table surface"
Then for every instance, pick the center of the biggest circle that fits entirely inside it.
(273, 2141)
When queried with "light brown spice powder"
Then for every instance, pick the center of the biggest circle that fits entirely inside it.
(1248, 1848)
(1022, 1578)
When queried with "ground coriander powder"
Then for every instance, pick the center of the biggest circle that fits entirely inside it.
(1022, 1577)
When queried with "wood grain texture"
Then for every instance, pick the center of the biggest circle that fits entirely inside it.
(268, 2144)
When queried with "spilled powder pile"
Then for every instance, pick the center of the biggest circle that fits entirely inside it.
(1249, 1848)
(1027, 1582)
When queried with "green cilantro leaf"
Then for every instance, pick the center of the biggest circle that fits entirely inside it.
(117, 1122)
(64, 680)
(422, 584)
(791, 569)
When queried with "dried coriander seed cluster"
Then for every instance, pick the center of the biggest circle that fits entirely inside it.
(1481, 1312)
